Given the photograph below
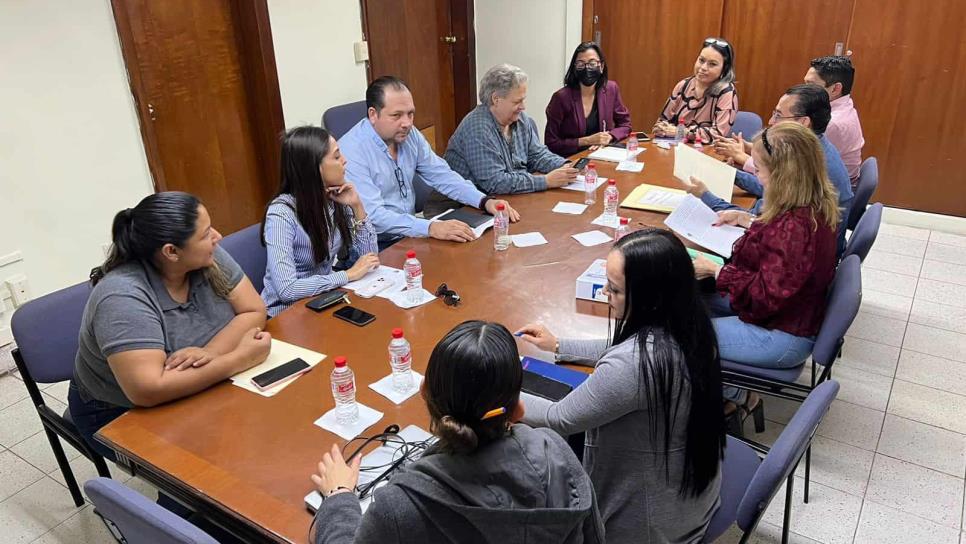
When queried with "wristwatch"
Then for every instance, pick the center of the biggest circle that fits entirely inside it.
(483, 201)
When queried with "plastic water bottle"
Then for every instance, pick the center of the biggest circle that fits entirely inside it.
(632, 145)
(401, 361)
(611, 201)
(622, 229)
(344, 393)
(501, 228)
(682, 133)
(414, 277)
(590, 184)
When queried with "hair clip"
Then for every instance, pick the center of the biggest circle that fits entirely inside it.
(493, 413)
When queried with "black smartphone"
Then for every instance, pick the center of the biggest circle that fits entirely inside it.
(643, 137)
(354, 315)
(544, 387)
(280, 373)
(581, 163)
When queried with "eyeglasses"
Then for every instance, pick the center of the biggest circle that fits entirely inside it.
(778, 115)
(716, 41)
(450, 297)
(402, 182)
(764, 141)
(593, 64)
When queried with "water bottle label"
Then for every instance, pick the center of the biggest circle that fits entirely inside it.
(345, 387)
(414, 272)
(405, 359)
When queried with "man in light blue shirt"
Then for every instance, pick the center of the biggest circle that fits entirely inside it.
(385, 152)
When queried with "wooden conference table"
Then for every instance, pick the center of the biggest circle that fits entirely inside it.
(244, 460)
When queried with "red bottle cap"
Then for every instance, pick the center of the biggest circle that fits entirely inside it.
(501, 206)
(625, 220)
(397, 333)
(340, 361)
(410, 254)
(612, 182)
(591, 165)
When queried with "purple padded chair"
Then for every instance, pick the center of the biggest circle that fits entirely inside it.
(868, 181)
(748, 484)
(339, 119)
(845, 297)
(138, 519)
(747, 123)
(865, 233)
(46, 330)
(245, 246)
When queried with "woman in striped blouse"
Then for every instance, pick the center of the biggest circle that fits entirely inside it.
(316, 218)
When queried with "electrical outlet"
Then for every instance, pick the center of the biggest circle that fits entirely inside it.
(19, 289)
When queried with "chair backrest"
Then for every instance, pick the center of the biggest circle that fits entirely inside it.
(46, 330)
(844, 299)
(245, 246)
(421, 191)
(868, 181)
(139, 519)
(784, 455)
(747, 123)
(339, 119)
(865, 233)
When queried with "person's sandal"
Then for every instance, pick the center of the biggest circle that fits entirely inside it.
(754, 406)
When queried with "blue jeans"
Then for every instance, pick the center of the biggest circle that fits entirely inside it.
(753, 345)
(90, 416)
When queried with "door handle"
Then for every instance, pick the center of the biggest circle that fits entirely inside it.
(448, 39)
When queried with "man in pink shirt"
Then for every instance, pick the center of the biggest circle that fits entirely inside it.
(835, 74)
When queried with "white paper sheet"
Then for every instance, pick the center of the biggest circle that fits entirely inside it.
(579, 185)
(572, 208)
(384, 388)
(592, 238)
(401, 299)
(613, 222)
(281, 353)
(663, 144)
(528, 239)
(693, 220)
(367, 417)
(718, 176)
(630, 166)
(614, 154)
(658, 197)
(381, 282)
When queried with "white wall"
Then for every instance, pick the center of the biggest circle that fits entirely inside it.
(313, 52)
(70, 149)
(537, 35)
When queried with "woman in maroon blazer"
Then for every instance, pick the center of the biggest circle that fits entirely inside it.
(588, 111)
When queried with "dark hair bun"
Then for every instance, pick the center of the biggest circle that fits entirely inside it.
(457, 436)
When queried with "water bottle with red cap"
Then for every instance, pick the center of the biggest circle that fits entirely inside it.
(414, 277)
(501, 228)
(401, 361)
(623, 229)
(344, 392)
(590, 184)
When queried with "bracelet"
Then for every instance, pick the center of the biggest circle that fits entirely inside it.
(337, 490)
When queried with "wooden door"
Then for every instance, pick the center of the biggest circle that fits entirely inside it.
(774, 42)
(650, 45)
(910, 90)
(203, 76)
(430, 45)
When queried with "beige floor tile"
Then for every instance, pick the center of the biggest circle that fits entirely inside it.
(15, 475)
(868, 356)
(84, 470)
(862, 388)
(932, 371)
(933, 341)
(928, 405)
(941, 292)
(942, 271)
(12, 391)
(876, 328)
(19, 422)
(32, 512)
(885, 304)
(903, 231)
(916, 490)
(940, 316)
(883, 525)
(945, 253)
(58, 391)
(84, 527)
(852, 424)
(889, 282)
(839, 466)
(948, 239)
(890, 262)
(829, 517)
(36, 451)
(924, 445)
(887, 243)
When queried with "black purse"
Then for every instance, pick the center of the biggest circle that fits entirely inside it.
(327, 300)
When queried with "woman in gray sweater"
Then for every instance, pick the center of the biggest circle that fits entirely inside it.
(652, 409)
(487, 478)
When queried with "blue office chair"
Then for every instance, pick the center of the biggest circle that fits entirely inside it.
(844, 299)
(245, 246)
(865, 233)
(747, 123)
(46, 330)
(339, 119)
(864, 188)
(748, 484)
(131, 517)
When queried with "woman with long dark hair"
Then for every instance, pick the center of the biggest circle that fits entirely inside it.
(588, 111)
(316, 219)
(651, 410)
(171, 313)
(706, 101)
(487, 478)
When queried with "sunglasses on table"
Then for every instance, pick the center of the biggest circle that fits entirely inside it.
(450, 297)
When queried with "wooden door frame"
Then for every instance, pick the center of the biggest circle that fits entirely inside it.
(257, 54)
(464, 81)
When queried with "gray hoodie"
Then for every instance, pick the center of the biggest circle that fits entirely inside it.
(527, 487)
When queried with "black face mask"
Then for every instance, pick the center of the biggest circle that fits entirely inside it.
(588, 76)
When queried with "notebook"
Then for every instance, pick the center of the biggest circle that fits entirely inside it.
(569, 376)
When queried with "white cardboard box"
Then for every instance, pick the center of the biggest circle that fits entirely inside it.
(590, 284)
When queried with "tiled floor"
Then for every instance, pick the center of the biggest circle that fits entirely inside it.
(889, 461)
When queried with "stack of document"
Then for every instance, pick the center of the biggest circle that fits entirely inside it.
(654, 198)
(614, 154)
(716, 175)
(694, 220)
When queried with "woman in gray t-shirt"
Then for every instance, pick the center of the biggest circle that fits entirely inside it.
(171, 314)
(652, 409)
